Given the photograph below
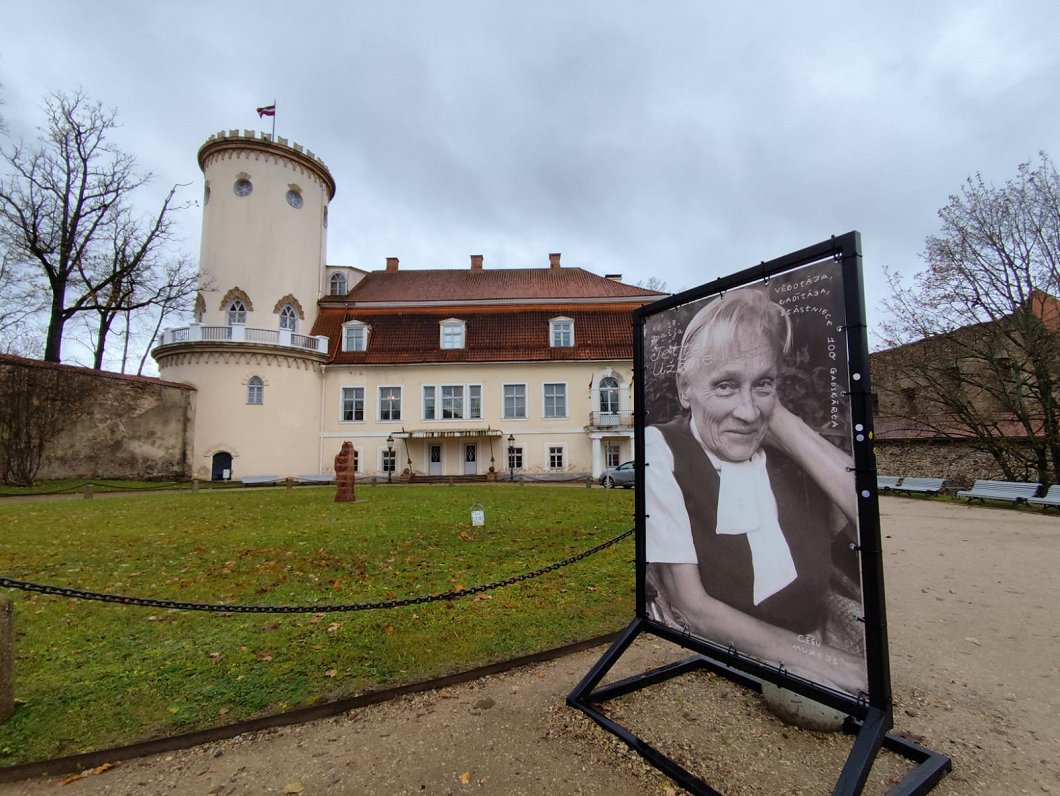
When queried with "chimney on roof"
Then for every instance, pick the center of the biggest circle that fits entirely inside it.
(476, 262)
(613, 277)
(391, 263)
(553, 261)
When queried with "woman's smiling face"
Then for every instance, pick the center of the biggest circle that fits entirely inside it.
(731, 395)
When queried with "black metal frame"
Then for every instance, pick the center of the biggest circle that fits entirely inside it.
(869, 715)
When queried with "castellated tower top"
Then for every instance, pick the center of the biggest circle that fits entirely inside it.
(223, 141)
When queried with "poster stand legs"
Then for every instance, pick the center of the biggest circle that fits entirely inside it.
(871, 731)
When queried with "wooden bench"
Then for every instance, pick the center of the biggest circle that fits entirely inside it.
(1051, 500)
(885, 482)
(929, 486)
(1012, 491)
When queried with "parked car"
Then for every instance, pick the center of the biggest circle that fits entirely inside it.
(624, 475)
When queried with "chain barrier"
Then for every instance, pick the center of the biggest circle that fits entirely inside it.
(168, 485)
(81, 594)
(552, 480)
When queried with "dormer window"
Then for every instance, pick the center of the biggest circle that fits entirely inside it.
(561, 332)
(355, 336)
(452, 333)
(338, 284)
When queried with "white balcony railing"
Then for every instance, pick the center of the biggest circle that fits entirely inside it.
(237, 333)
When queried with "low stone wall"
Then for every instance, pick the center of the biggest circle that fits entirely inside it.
(129, 427)
(957, 462)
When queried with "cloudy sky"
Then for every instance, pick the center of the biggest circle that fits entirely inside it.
(677, 140)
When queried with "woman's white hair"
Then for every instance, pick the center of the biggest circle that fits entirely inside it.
(720, 328)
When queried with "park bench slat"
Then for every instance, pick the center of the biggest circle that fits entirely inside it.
(1012, 491)
(1050, 500)
(887, 482)
(928, 485)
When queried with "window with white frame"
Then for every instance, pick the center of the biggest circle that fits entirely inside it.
(515, 457)
(613, 456)
(237, 312)
(452, 333)
(555, 400)
(515, 401)
(609, 395)
(561, 332)
(389, 403)
(338, 284)
(355, 336)
(452, 402)
(352, 404)
(555, 457)
(288, 318)
(430, 402)
(255, 391)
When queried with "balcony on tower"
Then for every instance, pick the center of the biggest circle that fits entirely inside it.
(241, 335)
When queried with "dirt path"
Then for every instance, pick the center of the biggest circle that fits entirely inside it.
(975, 652)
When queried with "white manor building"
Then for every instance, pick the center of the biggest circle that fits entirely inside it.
(439, 372)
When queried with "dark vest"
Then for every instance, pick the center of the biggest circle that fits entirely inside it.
(725, 561)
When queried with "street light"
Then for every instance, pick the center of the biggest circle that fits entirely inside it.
(389, 457)
(511, 457)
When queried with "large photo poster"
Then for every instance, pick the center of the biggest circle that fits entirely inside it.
(750, 508)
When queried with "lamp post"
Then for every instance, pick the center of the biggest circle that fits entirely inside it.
(389, 457)
(511, 457)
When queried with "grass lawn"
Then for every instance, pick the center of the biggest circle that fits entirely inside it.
(91, 675)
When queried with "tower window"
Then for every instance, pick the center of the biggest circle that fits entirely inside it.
(243, 187)
(294, 199)
(237, 312)
(288, 318)
(255, 391)
(338, 284)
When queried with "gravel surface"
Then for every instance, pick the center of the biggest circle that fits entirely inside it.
(975, 655)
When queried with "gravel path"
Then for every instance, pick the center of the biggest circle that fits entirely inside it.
(975, 654)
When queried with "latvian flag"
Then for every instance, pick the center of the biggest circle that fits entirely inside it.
(267, 110)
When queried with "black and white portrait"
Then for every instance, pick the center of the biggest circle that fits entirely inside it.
(750, 502)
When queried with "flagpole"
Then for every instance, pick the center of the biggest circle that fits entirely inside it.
(274, 121)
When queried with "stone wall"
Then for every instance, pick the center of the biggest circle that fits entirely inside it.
(131, 427)
(957, 462)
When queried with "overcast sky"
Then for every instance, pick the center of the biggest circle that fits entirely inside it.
(680, 140)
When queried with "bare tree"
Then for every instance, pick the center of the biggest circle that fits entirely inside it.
(65, 214)
(975, 342)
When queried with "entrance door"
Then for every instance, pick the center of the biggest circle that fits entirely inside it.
(222, 466)
(435, 466)
(471, 460)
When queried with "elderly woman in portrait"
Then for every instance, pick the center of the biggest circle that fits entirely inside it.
(744, 501)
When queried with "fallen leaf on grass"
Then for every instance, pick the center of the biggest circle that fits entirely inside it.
(331, 672)
(90, 772)
(265, 656)
(333, 627)
(465, 778)
(481, 597)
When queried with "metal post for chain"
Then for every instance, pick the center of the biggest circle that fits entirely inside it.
(7, 658)
(88, 491)
(195, 485)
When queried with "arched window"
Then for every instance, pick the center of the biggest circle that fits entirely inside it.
(255, 391)
(237, 312)
(288, 318)
(609, 396)
(338, 284)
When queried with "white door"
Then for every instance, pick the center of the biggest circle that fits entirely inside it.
(470, 460)
(435, 467)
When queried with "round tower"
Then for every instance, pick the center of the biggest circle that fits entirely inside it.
(250, 353)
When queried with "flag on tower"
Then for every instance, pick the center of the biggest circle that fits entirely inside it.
(267, 110)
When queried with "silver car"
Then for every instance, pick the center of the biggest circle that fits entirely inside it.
(624, 476)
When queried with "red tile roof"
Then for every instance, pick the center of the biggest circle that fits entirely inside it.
(493, 333)
(491, 284)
